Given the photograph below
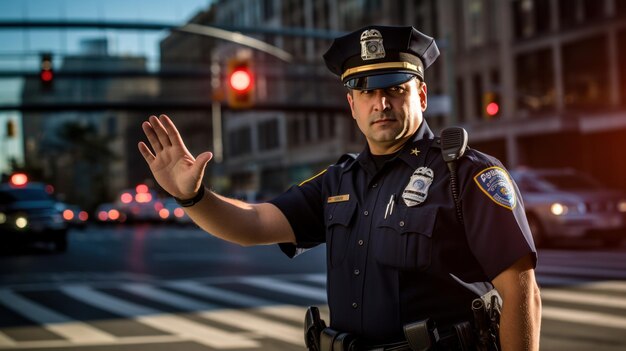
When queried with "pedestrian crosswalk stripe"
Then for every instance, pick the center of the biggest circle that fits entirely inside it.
(582, 271)
(261, 326)
(288, 312)
(238, 319)
(586, 298)
(57, 323)
(222, 295)
(286, 287)
(5, 340)
(65, 344)
(583, 317)
(185, 328)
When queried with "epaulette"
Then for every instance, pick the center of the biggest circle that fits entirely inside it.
(349, 157)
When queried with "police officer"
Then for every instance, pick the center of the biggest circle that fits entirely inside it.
(398, 250)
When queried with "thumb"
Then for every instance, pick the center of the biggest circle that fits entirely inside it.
(202, 160)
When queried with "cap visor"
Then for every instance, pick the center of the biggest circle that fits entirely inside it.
(378, 81)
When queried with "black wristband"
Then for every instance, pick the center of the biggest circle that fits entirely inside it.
(194, 200)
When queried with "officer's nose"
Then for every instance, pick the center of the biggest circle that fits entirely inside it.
(381, 100)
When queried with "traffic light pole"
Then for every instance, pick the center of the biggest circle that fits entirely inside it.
(218, 140)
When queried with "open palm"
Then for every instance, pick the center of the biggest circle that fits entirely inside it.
(173, 166)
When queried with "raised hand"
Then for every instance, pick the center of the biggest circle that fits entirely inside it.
(173, 166)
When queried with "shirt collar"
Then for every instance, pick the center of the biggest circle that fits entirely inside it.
(419, 139)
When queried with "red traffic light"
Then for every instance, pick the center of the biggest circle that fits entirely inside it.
(46, 76)
(492, 109)
(240, 80)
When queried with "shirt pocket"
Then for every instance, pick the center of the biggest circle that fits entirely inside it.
(338, 217)
(404, 239)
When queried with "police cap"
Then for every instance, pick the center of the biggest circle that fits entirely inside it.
(377, 57)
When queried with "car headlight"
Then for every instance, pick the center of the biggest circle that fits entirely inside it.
(21, 222)
(621, 206)
(561, 209)
(558, 209)
(3, 218)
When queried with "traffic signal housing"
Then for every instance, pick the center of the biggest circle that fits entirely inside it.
(46, 74)
(491, 105)
(240, 83)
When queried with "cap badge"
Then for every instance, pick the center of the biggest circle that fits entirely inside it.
(372, 45)
(416, 191)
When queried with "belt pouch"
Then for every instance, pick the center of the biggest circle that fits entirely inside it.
(418, 335)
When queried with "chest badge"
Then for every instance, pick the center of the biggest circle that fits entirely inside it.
(416, 191)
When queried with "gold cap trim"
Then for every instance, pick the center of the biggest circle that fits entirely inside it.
(383, 65)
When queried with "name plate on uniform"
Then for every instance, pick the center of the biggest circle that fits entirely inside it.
(338, 198)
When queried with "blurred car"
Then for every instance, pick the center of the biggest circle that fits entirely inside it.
(564, 204)
(73, 215)
(108, 213)
(28, 214)
(140, 204)
(172, 212)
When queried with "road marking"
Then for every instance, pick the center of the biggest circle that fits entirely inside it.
(288, 312)
(286, 287)
(222, 295)
(182, 327)
(589, 272)
(57, 323)
(5, 341)
(64, 344)
(261, 326)
(316, 278)
(583, 317)
(583, 298)
(238, 319)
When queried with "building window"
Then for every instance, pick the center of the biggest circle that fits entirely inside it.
(621, 57)
(477, 88)
(573, 12)
(535, 81)
(530, 17)
(475, 23)
(460, 101)
(240, 141)
(268, 135)
(585, 73)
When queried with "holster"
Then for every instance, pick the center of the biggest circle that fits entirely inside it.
(313, 326)
(333, 340)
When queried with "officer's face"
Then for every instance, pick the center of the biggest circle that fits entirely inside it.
(389, 117)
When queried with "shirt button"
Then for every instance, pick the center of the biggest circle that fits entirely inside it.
(330, 216)
(360, 242)
(374, 185)
(355, 305)
(401, 223)
(356, 272)
(366, 213)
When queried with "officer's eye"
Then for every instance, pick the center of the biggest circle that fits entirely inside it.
(364, 92)
(396, 90)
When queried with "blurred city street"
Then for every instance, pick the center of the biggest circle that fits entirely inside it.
(149, 287)
(95, 255)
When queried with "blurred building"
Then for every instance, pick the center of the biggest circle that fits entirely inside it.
(535, 82)
(552, 66)
(310, 126)
(85, 154)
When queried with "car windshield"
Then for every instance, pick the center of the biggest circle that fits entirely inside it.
(13, 195)
(571, 182)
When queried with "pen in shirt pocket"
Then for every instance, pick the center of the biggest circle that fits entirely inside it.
(390, 204)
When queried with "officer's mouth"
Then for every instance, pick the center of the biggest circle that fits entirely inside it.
(384, 121)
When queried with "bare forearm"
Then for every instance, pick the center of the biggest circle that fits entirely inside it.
(239, 222)
(520, 322)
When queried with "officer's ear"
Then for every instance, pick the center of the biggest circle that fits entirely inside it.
(422, 92)
(351, 102)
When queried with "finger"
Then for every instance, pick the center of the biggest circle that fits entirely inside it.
(152, 137)
(201, 162)
(172, 131)
(160, 131)
(145, 152)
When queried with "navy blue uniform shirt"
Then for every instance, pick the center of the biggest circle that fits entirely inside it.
(387, 268)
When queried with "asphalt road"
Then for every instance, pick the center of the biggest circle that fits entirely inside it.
(176, 288)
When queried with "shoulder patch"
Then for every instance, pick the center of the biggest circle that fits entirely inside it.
(496, 184)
